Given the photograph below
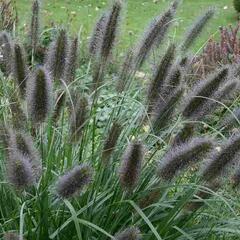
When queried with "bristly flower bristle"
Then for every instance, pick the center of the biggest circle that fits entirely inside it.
(232, 119)
(180, 157)
(19, 119)
(132, 233)
(164, 110)
(20, 171)
(34, 30)
(78, 119)
(19, 68)
(111, 141)
(127, 69)
(110, 30)
(156, 84)
(155, 34)
(131, 165)
(219, 162)
(71, 62)
(11, 236)
(184, 135)
(57, 56)
(196, 29)
(97, 35)
(201, 92)
(152, 197)
(60, 102)
(39, 97)
(5, 52)
(74, 181)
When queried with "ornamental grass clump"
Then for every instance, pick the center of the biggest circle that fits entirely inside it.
(74, 181)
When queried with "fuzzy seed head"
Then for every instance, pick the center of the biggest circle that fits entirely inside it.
(71, 62)
(74, 181)
(111, 141)
(78, 119)
(60, 102)
(19, 68)
(11, 236)
(219, 161)
(180, 157)
(205, 89)
(97, 35)
(20, 171)
(39, 97)
(110, 31)
(131, 165)
(185, 134)
(57, 56)
(34, 30)
(232, 119)
(132, 233)
(155, 34)
(156, 85)
(6, 52)
(196, 29)
(164, 111)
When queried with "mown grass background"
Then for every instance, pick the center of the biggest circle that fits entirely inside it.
(82, 14)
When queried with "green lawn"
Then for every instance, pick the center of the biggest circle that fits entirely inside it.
(83, 13)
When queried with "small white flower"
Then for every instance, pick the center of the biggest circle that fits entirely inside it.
(225, 7)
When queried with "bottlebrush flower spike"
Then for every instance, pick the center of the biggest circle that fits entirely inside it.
(132, 233)
(155, 34)
(39, 97)
(131, 165)
(60, 102)
(71, 62)
(205, 89)
(78, 119)
(110, 30)
(34, 30)
(19, 68)
(11, 236)
(164, 111)
(185, 134)
(74, 181)
(157, 83)
(111, 141)
(231, 120)
(219, 161)
(57, 55)
(196, 29)
(20, 171)
(180, 157)
(97, 35)
(6, 52)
